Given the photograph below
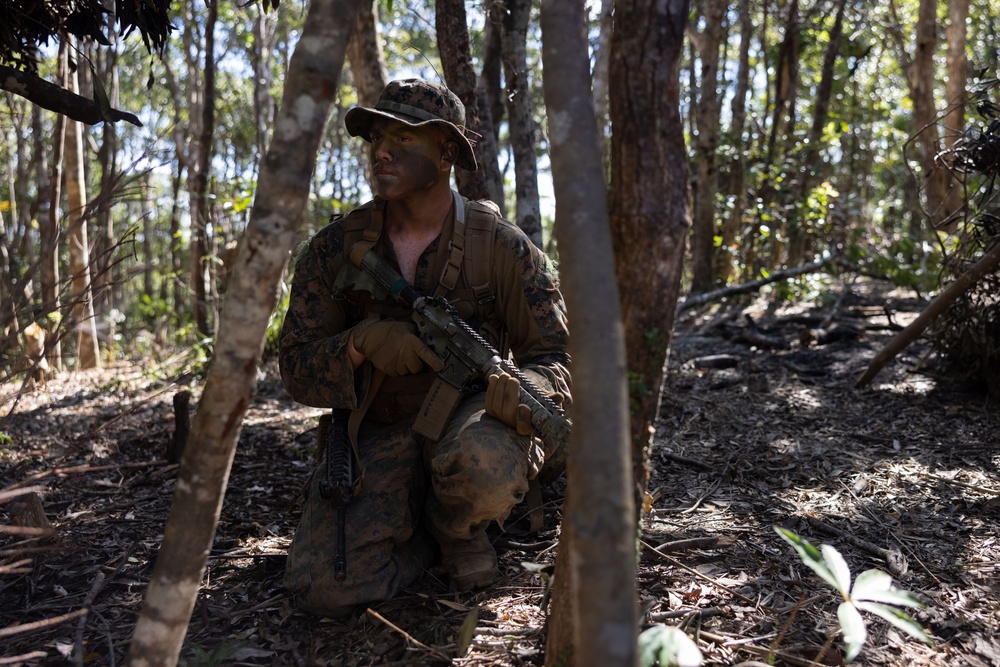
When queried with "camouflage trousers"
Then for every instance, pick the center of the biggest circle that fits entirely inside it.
(415, 493)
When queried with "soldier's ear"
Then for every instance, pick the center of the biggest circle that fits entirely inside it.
(449, 151)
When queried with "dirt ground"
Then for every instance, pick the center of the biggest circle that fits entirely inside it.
(901, 475)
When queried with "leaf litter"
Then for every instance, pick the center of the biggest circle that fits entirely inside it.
(901, 476)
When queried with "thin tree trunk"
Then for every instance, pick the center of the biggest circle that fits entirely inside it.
(82, 317)
(365, 55)
(280, 203)
(706, 144)
(811, 167)
(648, 202)
(456, 60)
(597, 545)
(922, 80)
(49, 253)
(600, 75)
(725, 258)
(521, 118)
(956, 95)
(489, 78)
(265, 38)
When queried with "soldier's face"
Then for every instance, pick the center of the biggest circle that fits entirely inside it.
(405, 160)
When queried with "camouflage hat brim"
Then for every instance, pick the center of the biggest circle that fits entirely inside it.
(358, 122)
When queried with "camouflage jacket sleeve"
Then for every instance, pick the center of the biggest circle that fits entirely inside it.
(533, 311)
(315, 367)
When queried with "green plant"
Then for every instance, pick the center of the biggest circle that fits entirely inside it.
(668, 646)
(872, 592)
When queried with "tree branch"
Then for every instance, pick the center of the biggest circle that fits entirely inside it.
(56, 98)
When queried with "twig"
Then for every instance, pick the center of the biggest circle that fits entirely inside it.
(509, 632)
(22, 628)
(964, 485)
(257, 607)
(18, 659)
(893, 557)
(698, 574)
(408, 637)
(762, 652)
(14, 493)
(696, 543)
(683, 460)
(75, 470)
(81, 625)
(708, 612)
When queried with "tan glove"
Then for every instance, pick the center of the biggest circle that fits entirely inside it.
(503, 393)
(393, 347)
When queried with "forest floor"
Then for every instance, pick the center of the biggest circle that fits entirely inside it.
(901, 476)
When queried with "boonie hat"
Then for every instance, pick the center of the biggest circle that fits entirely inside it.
(417, 102)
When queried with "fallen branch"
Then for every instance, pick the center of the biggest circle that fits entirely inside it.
(410, 639)
(893, 557)
(986, 264)
(753, 285)
(701, 576)
(56, 98)
(23, 628)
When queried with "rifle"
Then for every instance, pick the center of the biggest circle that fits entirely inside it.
(336, 486)
(468, 358)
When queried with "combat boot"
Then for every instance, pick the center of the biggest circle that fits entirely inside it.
(470, 563)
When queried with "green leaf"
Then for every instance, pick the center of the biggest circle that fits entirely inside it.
(101, 96)
(839, 568)
(668, 646)
(810, 555)
(876, 586)
(853, 627)
(467, 631)
(898, 618)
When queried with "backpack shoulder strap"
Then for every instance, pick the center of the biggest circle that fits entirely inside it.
(362, 228)
(456, 248)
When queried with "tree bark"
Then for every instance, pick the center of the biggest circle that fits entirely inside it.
(600, 75)
(922, 79)
(198, 178)
(265, 37)
(956, 96)
(597, 545)
(521, 118)
(282, 196)
(82, 317)
(456, 60)
(489, 78)
(986, 264)
(706, 144)
(648, 201)
(725, 258)
(49, 233)
(55, 98)
(811, 167)
(365, 55)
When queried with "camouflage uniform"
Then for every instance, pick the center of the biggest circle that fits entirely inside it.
(414, 491)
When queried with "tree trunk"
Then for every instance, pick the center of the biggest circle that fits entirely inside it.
(648, 201)
(597, 544)
(735, 179)
(600, 75)
(82, 317)
(922, 80)
(521, 118)
(265, 38)
(49, 233)
(198, 173)
(956, 95)
(489, 78)
(282, 196)
(811, 167)
(456, 60)
(365, 54)
(706, 144)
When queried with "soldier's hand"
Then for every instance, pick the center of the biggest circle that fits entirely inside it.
(503, 401)
(393, 347)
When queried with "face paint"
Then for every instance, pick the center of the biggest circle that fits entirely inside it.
(405, 160)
